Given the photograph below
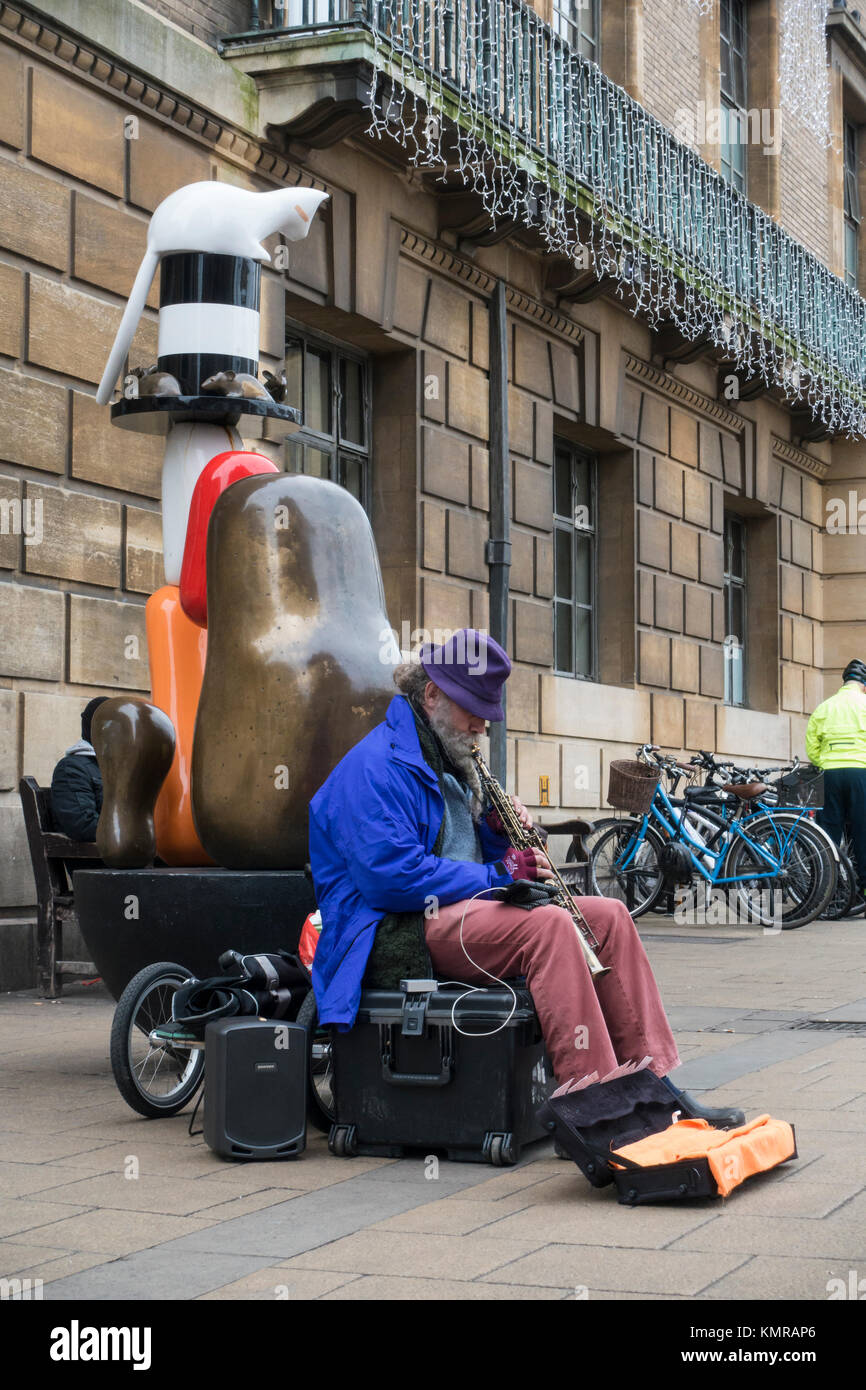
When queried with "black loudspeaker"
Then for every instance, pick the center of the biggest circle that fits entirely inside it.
(255, 1088)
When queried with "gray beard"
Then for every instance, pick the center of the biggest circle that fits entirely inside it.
(457, 745)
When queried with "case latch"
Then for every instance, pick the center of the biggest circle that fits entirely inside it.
(413, 1016)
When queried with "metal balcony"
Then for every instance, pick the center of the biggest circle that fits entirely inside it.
(483, 91)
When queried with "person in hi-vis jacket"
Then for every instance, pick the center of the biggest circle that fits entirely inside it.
(836, 742)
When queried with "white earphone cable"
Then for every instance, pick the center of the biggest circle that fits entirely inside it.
(478, 989)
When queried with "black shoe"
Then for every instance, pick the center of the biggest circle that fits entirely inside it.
(719, 1118)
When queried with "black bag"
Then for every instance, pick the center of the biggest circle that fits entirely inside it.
(279, 982)
(265, 985)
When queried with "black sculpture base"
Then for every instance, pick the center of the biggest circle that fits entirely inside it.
(156, 414)
(130, 918)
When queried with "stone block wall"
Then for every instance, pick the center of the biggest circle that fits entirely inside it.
(80, 527)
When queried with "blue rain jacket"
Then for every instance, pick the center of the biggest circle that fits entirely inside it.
(373, 825)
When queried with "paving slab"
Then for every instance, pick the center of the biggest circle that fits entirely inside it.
(146, 1194)
(274, 1284)
(382, 1289)
(394, 1253)
(116, 1232)
(783, 1277)
(630, 1270)
(603, 1222)
(154, 1274)
(745, 1233)
(759, 1051)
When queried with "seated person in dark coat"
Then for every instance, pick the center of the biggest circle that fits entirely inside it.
(76, 787)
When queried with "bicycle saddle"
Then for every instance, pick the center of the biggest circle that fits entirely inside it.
(746, 790)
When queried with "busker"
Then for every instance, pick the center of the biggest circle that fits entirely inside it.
(76, 785)
(836, 742)
(400, 843)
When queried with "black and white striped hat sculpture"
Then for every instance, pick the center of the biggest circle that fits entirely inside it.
(207, 240)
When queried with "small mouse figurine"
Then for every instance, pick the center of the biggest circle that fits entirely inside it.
(153, 382)
(277, 385)
(235, 384)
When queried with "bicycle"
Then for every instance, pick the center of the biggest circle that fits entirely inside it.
(781, 853)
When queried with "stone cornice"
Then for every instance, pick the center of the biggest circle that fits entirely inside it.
(521, 303)
(447, 262)
(681, 392)
(798, 458)
(36, 32)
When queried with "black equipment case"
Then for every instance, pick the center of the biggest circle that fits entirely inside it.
(255, 1088)
(587, 1124)
(405, 1078)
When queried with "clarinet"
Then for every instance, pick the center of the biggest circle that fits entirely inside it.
(521, 838)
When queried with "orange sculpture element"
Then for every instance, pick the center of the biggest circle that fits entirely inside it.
(176, 651)
(215, 477)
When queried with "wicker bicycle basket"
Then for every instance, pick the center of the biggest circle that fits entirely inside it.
(631, 786)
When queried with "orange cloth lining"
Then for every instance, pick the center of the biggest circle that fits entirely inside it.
(733, 1154)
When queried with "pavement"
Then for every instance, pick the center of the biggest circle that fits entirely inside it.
(97, 1203)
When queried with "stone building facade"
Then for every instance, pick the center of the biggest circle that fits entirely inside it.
(104, 110)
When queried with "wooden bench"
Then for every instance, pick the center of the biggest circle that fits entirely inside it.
(55, 902)
(575, 871)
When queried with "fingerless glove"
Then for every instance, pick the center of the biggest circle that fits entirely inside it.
(520, 863)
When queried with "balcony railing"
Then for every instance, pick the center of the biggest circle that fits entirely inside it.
(485, 88)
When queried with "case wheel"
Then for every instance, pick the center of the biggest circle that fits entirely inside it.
(502, 1150)
(343, 1141)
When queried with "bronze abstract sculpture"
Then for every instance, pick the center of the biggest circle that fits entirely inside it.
(134, 743)
(298, 664)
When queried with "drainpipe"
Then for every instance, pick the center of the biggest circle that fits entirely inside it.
(498, 548)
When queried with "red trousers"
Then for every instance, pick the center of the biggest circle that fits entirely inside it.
(587, 1027)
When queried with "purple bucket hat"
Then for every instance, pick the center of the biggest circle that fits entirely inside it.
(471, 668)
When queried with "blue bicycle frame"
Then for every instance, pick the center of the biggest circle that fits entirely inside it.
(677, 830)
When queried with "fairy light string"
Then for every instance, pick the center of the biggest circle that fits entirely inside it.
(485, 94)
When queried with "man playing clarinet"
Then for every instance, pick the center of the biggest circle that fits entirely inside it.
(405, 852)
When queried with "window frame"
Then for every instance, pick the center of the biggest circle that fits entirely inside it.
(851, 203)
(732, 581)
(333, 444)
(569, 526)
(567, 23)
(734, 167)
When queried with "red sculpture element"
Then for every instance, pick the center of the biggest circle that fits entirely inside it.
(215, 477)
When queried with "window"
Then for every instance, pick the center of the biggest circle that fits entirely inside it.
(852, 207)
(576, 21)
(331, 385)
(574, 561)
(734, 118)
(735, 611)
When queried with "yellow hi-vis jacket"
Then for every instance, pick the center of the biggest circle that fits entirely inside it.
(836, 733)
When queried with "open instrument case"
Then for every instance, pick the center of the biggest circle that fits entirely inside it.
(589, 1123)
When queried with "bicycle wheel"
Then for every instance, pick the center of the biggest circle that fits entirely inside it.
(803, 881)
(154, 1081)
(846, 886)
(857, 905)
(804, 830)
(624, 864)
(321, 1110)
